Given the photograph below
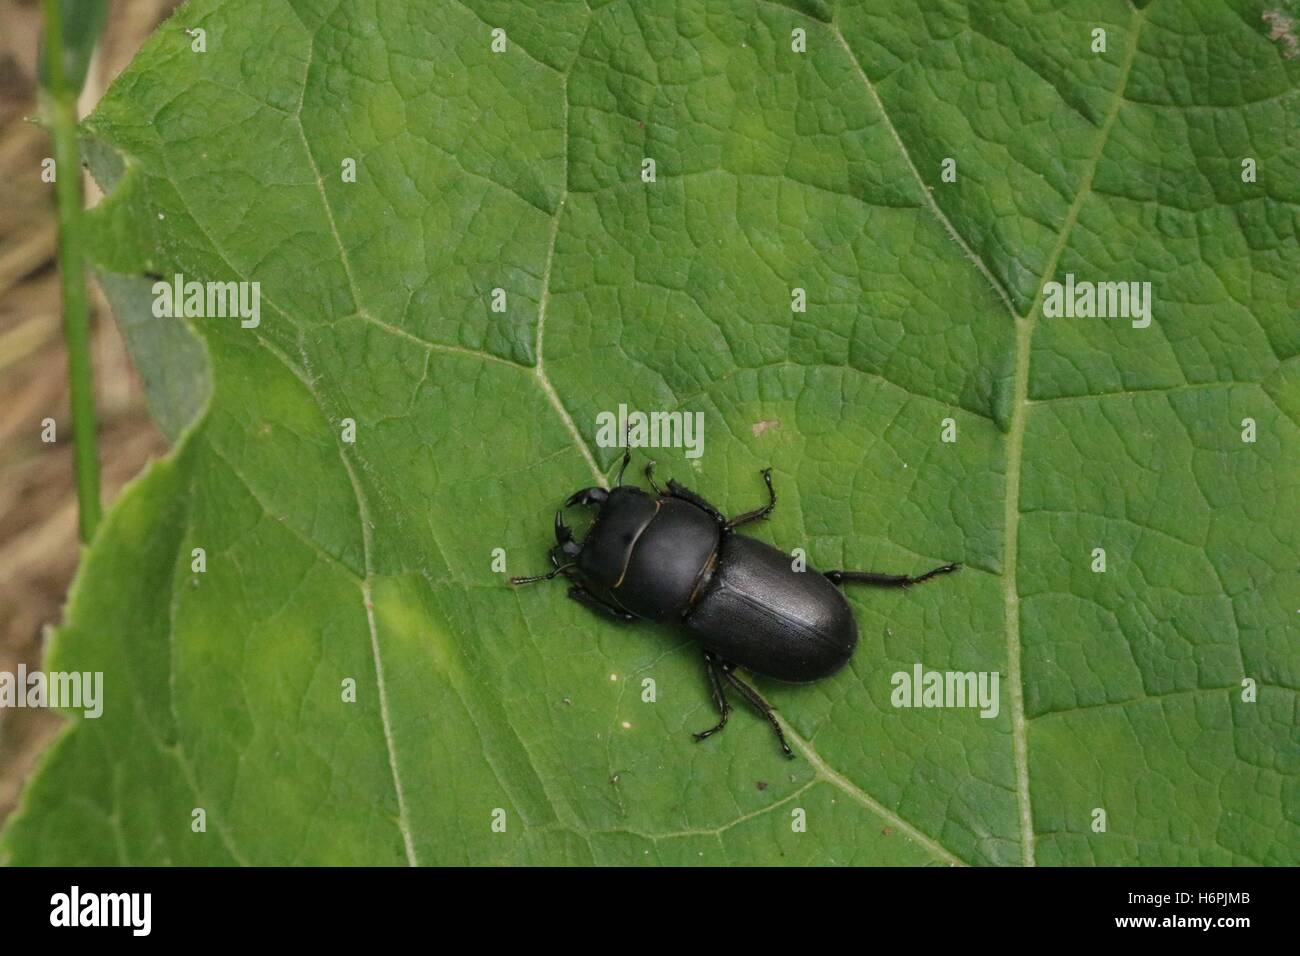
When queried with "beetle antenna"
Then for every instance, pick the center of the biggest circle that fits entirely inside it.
(627, 457)
(533, 579)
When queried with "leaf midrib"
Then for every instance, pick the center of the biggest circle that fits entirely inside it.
(1024, 326)
(1020, 406)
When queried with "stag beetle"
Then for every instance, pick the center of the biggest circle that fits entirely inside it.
(673, 557)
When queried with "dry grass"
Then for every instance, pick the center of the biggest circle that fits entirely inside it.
(38, 510)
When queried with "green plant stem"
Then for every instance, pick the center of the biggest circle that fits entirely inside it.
(61, 110)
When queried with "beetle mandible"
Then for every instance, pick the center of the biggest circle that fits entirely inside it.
(675, 558)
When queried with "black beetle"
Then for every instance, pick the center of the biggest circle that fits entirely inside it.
(674, 557)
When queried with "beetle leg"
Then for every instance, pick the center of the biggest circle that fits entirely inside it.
(589, 600)
(887, 580)
(680, 491)
(650, 477)
(758, 514)
(758, 703)
(719, 698)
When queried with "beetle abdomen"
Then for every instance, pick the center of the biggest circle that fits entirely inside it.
(759, 613)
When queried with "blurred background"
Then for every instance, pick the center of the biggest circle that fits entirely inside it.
(38, 509)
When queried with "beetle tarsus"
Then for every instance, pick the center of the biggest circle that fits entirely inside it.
(758, 514)
(942, 569)
(887, 580)
(756, 700)
(713, 670)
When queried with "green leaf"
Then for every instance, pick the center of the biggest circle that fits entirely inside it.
(327, 560)
(166, 351)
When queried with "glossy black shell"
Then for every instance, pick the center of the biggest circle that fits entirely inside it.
(760, 613)
(664, 558)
